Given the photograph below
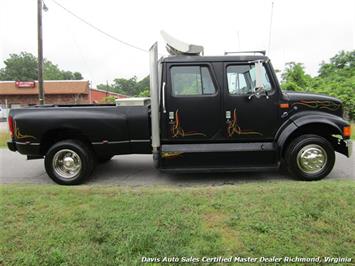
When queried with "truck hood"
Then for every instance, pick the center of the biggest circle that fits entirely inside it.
(293, 96)
(312, 101)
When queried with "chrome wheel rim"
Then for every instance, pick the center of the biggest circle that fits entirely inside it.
(67, 164)
(312, 159)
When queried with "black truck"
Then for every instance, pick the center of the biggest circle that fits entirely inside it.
(207, 113)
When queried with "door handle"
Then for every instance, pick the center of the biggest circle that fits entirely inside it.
(171, 115)
(228, 115)
(171, 118)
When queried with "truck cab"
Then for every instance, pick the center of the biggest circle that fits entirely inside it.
(228, 113)
(210, 106)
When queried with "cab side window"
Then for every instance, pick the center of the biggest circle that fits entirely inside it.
(241, 79)
(191, 80)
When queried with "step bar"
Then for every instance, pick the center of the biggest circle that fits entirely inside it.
(249, 168)
(218, 147)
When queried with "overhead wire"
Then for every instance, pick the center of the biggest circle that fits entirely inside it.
(98, 29)
(80, 51)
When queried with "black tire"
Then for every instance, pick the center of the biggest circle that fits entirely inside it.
(312, 146)
(104, 159)
(75, 153)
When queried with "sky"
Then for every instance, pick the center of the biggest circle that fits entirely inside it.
(301, 31)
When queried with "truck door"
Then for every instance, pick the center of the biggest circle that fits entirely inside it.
(248, 118)
(193, 103)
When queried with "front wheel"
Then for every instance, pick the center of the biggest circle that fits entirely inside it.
(69, 162)
(310, 157)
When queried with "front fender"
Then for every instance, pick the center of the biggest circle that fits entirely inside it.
(308, 118)
(284, 132)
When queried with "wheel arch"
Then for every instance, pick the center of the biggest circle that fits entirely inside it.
(55, 135)
(325, 129)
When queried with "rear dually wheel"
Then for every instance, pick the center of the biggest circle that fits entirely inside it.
(69, 162)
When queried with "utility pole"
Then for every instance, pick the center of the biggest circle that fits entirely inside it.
(40, 52)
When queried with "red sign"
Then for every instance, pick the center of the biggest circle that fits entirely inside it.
(25, 84)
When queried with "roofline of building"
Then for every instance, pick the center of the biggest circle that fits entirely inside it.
(96, 89)
(67, 80)
(27, 94)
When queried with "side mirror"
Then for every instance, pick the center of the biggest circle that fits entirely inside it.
(258, 73)
(259, 86)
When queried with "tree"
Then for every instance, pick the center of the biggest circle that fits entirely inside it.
(130, 87)
(24, 66)
(51, 71)
(341, 62)
(143, 86)
(145, 93)
(126, 86)
(21, 66)
(71, 75)
(77, 76)
(336, 78)
(294, 77)
(108, 99)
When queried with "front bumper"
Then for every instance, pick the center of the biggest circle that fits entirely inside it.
(343, 146)
(349, 147)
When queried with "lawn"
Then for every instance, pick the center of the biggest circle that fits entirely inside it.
(4, 137)
(102, 225)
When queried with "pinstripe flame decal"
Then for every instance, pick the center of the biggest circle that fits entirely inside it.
(329, 105)
(168, 154)
(233, 127)
(18, 135)
(177, 131)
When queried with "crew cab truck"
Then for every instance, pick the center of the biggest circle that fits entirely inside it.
(207, 113)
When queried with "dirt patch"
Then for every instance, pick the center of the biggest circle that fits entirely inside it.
(220, 223)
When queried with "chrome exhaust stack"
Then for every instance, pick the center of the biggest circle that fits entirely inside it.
(175, 47)
(154, 98)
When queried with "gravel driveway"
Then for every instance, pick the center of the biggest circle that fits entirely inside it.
(138, 170)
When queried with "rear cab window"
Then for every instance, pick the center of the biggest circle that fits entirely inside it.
(191, 81)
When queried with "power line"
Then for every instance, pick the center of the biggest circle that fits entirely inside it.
(81, 55)
(98, 29)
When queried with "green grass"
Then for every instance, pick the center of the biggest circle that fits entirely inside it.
(4, 137)
(353, 131)
(54, 225)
